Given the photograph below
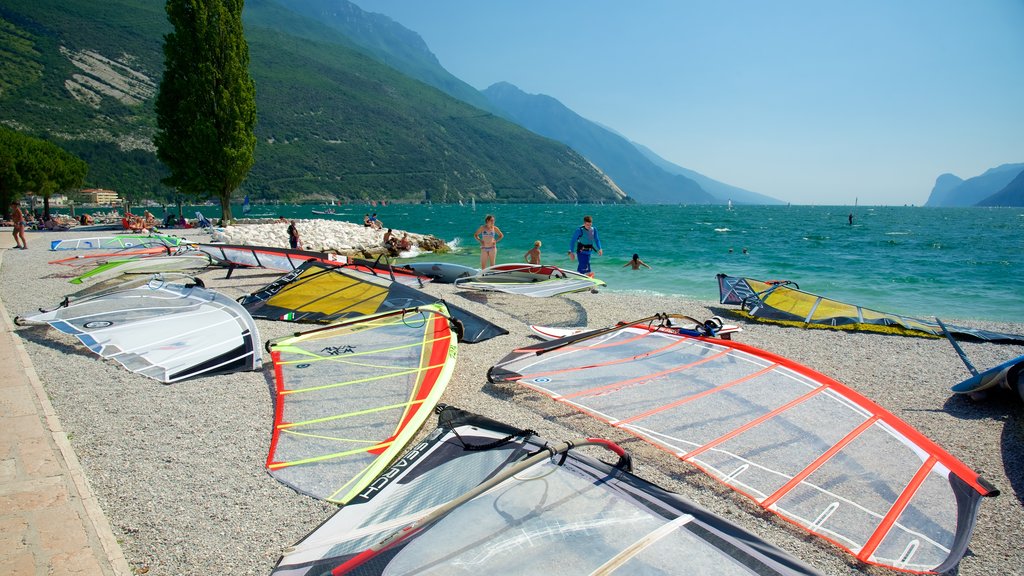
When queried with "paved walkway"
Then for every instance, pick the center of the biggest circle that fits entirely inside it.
(50, 523)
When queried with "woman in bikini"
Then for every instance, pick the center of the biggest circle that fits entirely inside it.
(488, 236)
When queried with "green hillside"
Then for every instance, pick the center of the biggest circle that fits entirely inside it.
(332, 122)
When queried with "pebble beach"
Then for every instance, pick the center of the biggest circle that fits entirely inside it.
(179, 469)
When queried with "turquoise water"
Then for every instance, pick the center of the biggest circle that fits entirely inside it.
(963, 263)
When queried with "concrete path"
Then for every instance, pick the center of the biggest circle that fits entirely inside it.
(50, 523)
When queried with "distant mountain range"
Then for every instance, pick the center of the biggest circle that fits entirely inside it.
(999, 186)
(645, 176)
(1011, 195)
(351, 105)
(333, 121)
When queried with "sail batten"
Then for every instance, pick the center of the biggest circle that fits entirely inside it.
(784, 303)
(475, 495)
(162, 330)
(793, 440)
(338, 422)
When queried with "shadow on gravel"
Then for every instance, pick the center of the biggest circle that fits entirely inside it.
(1005, 406)
(554, 311)
(51, 338)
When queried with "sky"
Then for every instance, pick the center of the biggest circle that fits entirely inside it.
(807, 101)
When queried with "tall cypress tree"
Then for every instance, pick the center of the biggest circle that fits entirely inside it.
(206, 106)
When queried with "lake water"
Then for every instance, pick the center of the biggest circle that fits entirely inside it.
(963, 263)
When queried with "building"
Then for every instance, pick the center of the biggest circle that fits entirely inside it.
(100, 196)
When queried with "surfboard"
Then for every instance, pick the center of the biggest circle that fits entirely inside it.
(443, 272)
(554, 333)
(1007, 375)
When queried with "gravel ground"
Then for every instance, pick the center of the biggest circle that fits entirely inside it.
(179, 471)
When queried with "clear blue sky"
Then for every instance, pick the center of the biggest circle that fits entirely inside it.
(811, 102)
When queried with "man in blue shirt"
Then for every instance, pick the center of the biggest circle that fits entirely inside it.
(584, 241)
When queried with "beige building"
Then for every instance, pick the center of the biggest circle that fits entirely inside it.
(100, 196)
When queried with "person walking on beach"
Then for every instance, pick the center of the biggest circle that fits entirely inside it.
(584, 241)
(488, 236)
(532, 255)
(18, 219)
(293, 236)
(636, 263)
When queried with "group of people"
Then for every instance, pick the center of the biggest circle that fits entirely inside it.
(585, 241)
(371, 221)
(394, 244)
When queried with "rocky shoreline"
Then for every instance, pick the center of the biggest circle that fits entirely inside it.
(330, 236)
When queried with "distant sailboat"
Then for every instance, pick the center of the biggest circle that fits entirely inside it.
(729, 207)
(472, 202)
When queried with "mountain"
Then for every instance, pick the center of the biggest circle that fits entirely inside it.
(944, 186)
(389, 42)
(969, 192)
(403, 49)
(332, 121)
(1012, 195)
(720, 190)
(633, 172)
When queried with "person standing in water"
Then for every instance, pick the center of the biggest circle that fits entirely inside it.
(532, 255)
(488, 236)
(585, 241)
(636, 263)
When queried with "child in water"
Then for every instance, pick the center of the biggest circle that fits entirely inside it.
(532, 255)
(636, 262)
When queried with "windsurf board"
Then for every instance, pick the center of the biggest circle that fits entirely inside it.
(554, 333)
(443, 272)
(1007, 375)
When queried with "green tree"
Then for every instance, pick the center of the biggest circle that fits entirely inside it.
(32, 165)
(206, 106)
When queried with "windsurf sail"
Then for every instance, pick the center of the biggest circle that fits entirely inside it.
(185, 262)
(443, 272)
(269, 257)
(115, 242)
(481, 497)
(782, 302)
(796, 442)
(318, 292)
(79, 259)
(351, 395)
(285, 260)
(713, 327)
(528, 280)
(168, 332)
(246, 207)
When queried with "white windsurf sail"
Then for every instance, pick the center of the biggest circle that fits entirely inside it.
(168, 332)
(352, 394)
(481, 497)
(115, 242)
(528, 280)
(798, 443)
(185, 262)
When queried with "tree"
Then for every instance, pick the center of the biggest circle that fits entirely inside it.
(32, 165)
(206, 105)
